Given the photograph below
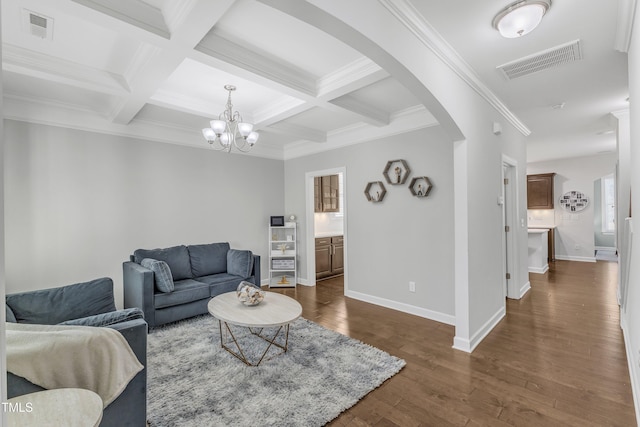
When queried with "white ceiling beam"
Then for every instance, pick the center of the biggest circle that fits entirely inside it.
(356, 75)
(299, 132)
(45, 67)
(134, 12)
(293, 81)
(159, 66)
(285, 74)
(370, 114)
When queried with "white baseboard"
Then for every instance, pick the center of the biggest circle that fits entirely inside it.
(576, 258)
(304, 282)
(467, 345)
(539, 270)
(606, 248)
(524, 289)
(632, 361)
(405, 308)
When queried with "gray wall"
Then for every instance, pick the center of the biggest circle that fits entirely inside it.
(401, 239)
(78, 203)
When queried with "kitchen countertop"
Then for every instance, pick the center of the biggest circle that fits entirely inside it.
(327, 235)
(537, 230)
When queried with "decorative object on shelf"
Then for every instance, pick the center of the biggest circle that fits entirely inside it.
(520, 18)
(401, 172)
(249, 294)
(283, 247)
(229, 130)
(377, 187)
(420, 186)
(277, 221)
(284, 281)
(574, 201)
(292, 218)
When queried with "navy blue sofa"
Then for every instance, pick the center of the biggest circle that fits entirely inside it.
(176, 283)
(89, 304)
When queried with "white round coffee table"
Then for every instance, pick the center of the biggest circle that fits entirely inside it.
(275, 311)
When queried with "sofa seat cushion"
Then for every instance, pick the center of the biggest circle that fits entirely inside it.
(239, 262)
(176, 257)
(184, 291)
(108, 319)
(221, 283)
(55, 305)
(208, 259)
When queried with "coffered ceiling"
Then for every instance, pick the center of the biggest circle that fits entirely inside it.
(157, 69)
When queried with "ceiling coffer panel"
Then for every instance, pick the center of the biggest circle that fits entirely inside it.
(562, 54)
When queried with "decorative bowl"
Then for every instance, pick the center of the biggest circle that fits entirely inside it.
(249, 294)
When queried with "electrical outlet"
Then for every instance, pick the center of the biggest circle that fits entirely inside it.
(577, 247)
(412, 286)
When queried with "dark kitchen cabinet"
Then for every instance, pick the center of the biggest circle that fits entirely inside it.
(326, 193)
(540, 191)
(329, 256)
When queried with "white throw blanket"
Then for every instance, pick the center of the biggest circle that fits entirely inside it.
(96, 359)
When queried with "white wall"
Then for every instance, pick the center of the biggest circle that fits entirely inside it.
(630, 313)
(574, 239)
(79, 203)
(401, 239)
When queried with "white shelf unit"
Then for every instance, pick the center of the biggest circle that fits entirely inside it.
(283, 256)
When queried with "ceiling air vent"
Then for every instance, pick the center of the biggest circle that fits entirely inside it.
(37, 25)
(544, 60)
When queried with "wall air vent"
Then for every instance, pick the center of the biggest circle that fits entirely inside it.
(565, 53)
(37, 24)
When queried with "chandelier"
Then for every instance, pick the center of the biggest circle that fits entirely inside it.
(228, 130)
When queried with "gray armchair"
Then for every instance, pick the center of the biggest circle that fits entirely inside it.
(90, 304)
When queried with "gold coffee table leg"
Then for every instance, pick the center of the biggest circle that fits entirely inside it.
(240, 354)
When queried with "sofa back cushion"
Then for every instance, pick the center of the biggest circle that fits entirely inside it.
(239, 263)
(176, 257)
(55, 305)
(209, 258)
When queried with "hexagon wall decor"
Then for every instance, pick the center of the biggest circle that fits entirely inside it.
(379, 191)
(420, 186)
(401, 172)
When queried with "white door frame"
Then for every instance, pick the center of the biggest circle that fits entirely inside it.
(510, 250)
(310, 232)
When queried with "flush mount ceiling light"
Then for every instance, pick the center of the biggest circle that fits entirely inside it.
(230, 130)
(520, 18)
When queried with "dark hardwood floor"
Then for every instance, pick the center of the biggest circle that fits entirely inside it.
(556, 359)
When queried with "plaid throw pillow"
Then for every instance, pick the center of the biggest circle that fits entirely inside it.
(161, 272)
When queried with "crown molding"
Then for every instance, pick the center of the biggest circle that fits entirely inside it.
(51, 113)
(41, 66)
(407, 14)
(624, 28)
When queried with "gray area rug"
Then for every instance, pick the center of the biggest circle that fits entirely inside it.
(192, 381)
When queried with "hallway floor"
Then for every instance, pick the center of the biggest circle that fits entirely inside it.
(556, 359)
